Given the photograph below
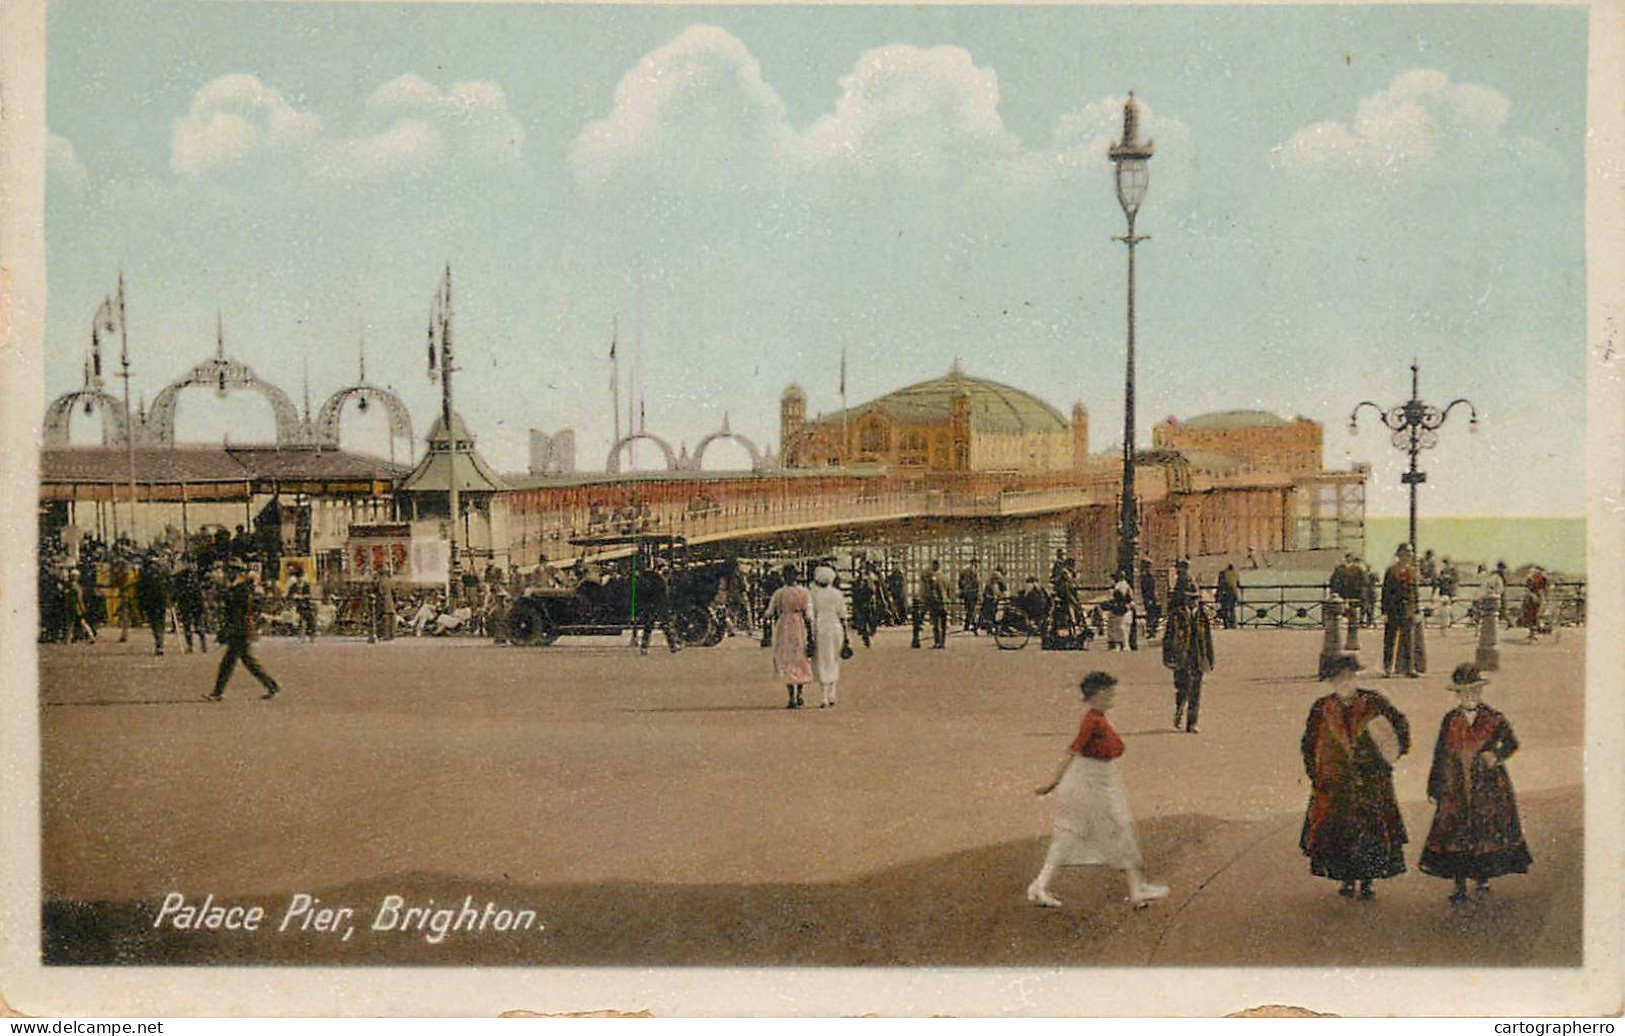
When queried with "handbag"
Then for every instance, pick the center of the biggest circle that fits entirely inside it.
(846, 645)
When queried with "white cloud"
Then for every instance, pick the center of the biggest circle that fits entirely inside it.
(697, 106)
(409, 125)
(1419, 125)
(417, 121)
(699, 111)
(62, 162)
(234, 119)
(904, 108)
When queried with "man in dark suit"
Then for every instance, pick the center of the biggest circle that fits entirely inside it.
(237, 632)
(1227, 595)
(152, 593)
(863, 605)
(1150, 599)
(189, 605)
(1399, 610)
(970, 590)
(897, 597)
(653, 605)
(1036, 604)
(1187, 647)
(304, 605)
(934, 595)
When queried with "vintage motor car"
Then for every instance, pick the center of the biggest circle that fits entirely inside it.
(601, 595)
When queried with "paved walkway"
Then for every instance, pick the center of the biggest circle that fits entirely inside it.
(667, 809)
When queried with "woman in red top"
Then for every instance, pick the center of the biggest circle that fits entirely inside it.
(1092, 820)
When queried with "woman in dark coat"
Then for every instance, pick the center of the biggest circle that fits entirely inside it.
(1352, 830)
(1475, 833)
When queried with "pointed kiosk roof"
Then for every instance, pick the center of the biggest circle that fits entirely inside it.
(448, 454)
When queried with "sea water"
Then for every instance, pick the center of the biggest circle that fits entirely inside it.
(1556, 544)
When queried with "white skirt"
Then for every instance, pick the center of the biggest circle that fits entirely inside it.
(1092, 820)
(1117, 627)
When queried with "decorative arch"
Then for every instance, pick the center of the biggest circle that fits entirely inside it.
(613, 465)
(757, 463)
(223, 374)
(59, 417)
(328, 419)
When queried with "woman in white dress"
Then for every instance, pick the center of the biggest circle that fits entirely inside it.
(1119, 614)
(1092, 820)
(829, 632)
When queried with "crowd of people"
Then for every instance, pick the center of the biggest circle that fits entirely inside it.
(90, 584)
(1352, 831)
(1451, 597)
(1353, 738)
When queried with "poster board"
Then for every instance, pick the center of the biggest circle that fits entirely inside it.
(389, 548)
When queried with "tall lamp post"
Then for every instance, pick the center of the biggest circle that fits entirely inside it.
(440, 355)
(1131, 159)
(1415, 427)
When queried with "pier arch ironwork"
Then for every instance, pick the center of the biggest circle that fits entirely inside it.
(59, 417)
(757, 461)
(613, 464)
(329, 418)
(223, 374)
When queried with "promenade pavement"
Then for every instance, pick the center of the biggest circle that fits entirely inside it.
(666, 809)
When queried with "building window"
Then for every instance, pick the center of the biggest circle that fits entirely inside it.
(872, 439)
(915, 450)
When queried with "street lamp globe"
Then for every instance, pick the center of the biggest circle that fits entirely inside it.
(1132, 157)
(1133, 177)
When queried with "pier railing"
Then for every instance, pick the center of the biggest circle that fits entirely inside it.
(701, 521)
(1288, 606)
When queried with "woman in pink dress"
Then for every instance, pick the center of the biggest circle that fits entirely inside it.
(787, 610)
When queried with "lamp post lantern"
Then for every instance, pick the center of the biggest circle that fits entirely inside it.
(1131, 159)
(1415, 427)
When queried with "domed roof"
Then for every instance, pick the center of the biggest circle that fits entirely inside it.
(1221, 420)
(993, 407)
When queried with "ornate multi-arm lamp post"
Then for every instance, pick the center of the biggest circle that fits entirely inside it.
(1131, 158)
(1415, 426)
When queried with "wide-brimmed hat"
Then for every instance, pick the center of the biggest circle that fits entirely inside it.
(824, 575)
(1467, 676)
(1343, 664)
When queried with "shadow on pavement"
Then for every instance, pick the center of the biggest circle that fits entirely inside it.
(1242, 896)
(719, 708)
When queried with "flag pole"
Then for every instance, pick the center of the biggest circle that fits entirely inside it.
(845, 445)
(129, 426)
(446, 367)
(615, 378)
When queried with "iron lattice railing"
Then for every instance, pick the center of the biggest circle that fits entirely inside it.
(1285, 606)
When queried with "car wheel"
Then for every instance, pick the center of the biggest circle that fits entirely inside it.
(1011, 633)
(531, 627)
(693, 627)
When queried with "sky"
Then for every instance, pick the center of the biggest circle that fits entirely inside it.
(738, 194)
